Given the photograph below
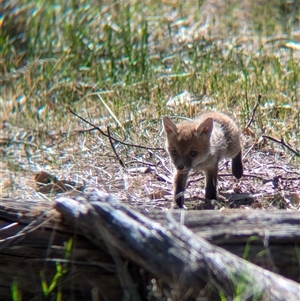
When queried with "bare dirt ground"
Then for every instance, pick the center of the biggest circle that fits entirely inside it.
(85, 161)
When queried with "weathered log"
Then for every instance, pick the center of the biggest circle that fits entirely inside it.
(24, 257)
(273, 237)
(41, 239)
(173, 253)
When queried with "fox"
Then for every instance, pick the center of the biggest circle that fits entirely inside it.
(200, 144)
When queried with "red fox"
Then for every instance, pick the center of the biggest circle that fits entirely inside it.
(200, 144)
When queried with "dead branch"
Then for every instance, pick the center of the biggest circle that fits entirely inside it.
(114, 149)
(254, 111)
(282, 142)
(116, 140)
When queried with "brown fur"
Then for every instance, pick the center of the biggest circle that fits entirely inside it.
(200, 144)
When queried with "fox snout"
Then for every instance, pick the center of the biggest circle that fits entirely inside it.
(182, 165)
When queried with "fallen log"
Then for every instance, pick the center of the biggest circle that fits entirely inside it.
(270, 239)
(186, 262)
(30, 255)
(37, 243)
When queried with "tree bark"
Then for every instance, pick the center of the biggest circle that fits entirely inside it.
(273, 236)
(184, 261)
(187, 264)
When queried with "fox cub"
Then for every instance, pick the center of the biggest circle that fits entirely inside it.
(199, 145)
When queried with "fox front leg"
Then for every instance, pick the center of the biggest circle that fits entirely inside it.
(211, 176)
(180, 180)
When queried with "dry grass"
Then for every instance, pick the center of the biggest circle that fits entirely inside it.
(125, 64)
(122, 66)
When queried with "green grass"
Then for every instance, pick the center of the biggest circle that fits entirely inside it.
(139, 51)
(15, 291)
(117, 63)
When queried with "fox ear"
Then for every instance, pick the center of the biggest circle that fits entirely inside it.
(205, 127)
(169, 126)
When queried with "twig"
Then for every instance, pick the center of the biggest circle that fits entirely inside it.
(106, 266)
(254, 111)
(282, 142)
(244, 176)
(9, 226)
(228, 175)
(33, 226)
(116, 140)
(110, 111)
(15, 74)
(113, 148)
(248, 151)
(283, 168)
(161, 161)
(9, 141)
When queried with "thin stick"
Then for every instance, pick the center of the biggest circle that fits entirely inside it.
(116, 140)
(282, 142)
(110, 112)
(229, 175)
(33, 226)
(254, 111)
(113, 148)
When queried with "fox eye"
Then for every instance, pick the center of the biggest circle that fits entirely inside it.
(173, 152)
(193, 153)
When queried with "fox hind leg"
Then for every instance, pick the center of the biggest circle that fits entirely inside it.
(237, 165)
